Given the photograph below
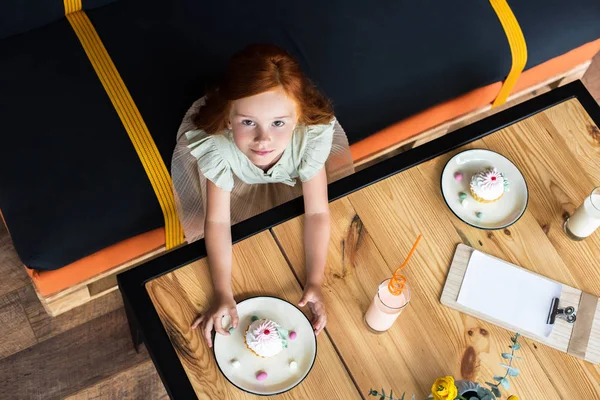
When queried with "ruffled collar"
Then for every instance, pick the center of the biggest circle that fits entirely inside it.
(276, 174)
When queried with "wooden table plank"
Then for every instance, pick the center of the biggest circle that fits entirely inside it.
(557, 185)
(354, 268)
(429, 340)
(259, 268)
(526, 243)
(478, 356)
(378, 225)
(581, 135)
(561, 167)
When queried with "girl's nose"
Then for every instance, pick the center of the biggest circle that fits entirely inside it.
(262, 135)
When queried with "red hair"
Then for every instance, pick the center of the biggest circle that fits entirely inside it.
(258, 69)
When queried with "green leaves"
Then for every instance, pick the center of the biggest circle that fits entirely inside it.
(511, 370)
(496, 392)
(383, 396)
(487, 394)
(509, 356)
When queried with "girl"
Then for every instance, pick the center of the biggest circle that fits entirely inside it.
(239, 151)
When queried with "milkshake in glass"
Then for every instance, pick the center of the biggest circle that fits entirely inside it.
(586, 218)
(386, 307)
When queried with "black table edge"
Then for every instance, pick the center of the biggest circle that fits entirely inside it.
(143, 318)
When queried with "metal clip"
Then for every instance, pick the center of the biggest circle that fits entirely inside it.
(567, 313)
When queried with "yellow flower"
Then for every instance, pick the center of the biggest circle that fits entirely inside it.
(513, 397)
(444, 389)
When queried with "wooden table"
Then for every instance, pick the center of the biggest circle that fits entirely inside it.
(554, 142)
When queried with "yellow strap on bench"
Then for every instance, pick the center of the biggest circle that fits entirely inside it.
(130, 117)
(72, 6)
(518, 48)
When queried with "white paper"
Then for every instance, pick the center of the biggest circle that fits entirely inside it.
(509, 294)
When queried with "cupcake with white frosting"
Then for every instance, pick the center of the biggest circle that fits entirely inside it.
(265, 338)
(488, 186)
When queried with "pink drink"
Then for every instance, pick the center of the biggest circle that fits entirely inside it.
(386, 307)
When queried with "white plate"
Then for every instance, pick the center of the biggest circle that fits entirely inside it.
(280, 377)
(497, 215)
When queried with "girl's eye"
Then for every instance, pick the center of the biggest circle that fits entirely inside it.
(248, 122)
(278, 124)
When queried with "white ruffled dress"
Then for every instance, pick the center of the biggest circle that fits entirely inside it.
(199, 156)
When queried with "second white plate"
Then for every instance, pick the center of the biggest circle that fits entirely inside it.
(498, 215)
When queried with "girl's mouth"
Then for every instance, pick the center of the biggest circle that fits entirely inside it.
(262, 152)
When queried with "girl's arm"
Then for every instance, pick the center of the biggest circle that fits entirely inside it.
(217, 236)
(316, 241)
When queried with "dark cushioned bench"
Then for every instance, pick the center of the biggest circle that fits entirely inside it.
(70, 181)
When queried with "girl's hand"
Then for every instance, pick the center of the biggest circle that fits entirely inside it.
(223, 305)
(314, 298)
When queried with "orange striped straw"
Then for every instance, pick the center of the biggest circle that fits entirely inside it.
(396, 285)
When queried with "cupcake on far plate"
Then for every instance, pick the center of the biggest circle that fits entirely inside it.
(488, 186)
(265, 338)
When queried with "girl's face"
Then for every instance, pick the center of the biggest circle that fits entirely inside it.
(263, 125)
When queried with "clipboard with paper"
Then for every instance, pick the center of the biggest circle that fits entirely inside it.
(539, 308)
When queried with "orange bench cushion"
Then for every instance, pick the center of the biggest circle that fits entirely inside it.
(50, 282)
(468, 102)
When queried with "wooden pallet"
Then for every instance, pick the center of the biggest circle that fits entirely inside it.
(473, 116)
(581, 339)
(92, 288)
